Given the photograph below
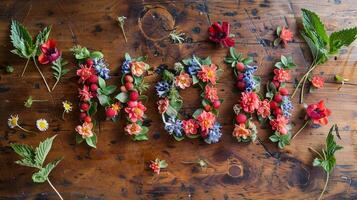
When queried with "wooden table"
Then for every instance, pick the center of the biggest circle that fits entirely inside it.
(118, 168)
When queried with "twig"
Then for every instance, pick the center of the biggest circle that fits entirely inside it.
(53, 187)
(39, 70)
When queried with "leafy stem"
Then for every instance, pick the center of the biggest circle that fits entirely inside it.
(303, 80)
(39, 70)
(25, 67)
(302, 128)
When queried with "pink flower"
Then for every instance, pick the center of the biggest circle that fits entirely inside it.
(279, 124)
(240, 131)
(138, 68)
(163, 104)
(85, 130)
(220, 34)
(183, 80)
(286, 35)
(211, 93)
(49, 52)
(208, 73)
(85, 94)
(317, 82)
(206, 120)
(249, 101)
(133, 129)
(281, 75)
(135, 111)
(85, 72)
(190, 126)
(264, 108)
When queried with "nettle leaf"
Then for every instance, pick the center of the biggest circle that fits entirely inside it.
(92, 141)
(21, 40)
(43, 149)
(24, 150)
(27, 162)
(314, 27)
(42, 175)
(342, 38)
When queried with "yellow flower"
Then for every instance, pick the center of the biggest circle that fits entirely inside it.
(67, 106)
(42, 124)
(13, 121)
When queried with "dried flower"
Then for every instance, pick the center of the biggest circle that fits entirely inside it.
(177, 37)
(121, 21)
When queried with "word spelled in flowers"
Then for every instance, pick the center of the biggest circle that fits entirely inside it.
(133, 85)
(203, 122)
(249, 84)
(277, 98)
(322, 46)
(92, 73)
(35, 158)
(42, 48)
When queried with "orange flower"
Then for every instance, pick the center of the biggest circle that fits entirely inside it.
(133, 129)
(264, 108)
(163, 104)
(206, 120)
(286, 36)
(183, 80)
(281, 75)
(85, 130)
(249, 101)
(138, 68)
(317, 81)
(241, 132)
(208, 73)
(279, 124)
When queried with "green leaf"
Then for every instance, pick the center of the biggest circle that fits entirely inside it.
(247, 61)
(319, 53)
(142, 136)
(43, 149)
(317, 162)
(79, 139)
(197, 112)
(92, 141)
(276, 42)
(80, 52)
(274, 138)
(163, 164)
(21, 40)
(284, 60)
(194, 79)
(171, 111)
(27, 162)
(42, 175)
(101, 82)
(42, 37)
(24, 150)
(104, 100)
(108, 90)
(92, 108)
(57, 67)
(123, 97)
(96, 55)
(314, 28)
(127, 56)
(278, 30)
(342, 38)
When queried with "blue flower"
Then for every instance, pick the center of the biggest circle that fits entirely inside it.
(101, 67)
(193, 67)
(125, 68)
(286, 106)
(174, 126)
(214, 134)
(162, 88)
(248, 78)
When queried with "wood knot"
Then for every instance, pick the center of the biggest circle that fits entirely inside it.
(235, 168)
(156, 24)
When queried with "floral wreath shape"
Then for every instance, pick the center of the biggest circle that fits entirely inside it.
(203, 122)
(277, 96)
(92, 73)
(133, 85)
(249, 84)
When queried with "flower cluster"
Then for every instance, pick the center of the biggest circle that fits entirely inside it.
(248, 84)
(92, 72)
(277, 96)
(190, 72)
(133, 85)
(157, 165)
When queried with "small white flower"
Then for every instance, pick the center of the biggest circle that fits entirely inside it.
(12, 122)
(42, 124)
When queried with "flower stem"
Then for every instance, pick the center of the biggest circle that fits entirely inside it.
(23, 71)
(39, 70)
(63, 114)
(302, 128)
(312, 149)
(312, 67)
(323, 191)
(36, 100)
(123, 31)
(20, 127)
(53, 187)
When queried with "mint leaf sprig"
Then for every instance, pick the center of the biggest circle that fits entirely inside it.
(35, 158)
(322, 46)
(326, 159)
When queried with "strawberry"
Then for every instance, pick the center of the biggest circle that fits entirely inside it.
(134, 95)
(216, 104)
(129, 86)
(94, 87)
(128, 78)
(240, 66)
(84, 106)
(88, 119)
(82, 115)
(89, 62)
(278, 98)
(110, 112)
(93, 79)
(123, 89)
(240, 85)
(284, 91)
(241, 118)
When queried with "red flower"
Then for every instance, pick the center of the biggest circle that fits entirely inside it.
(85, 94)
(264, 108)
(286, 36)
(318, 113)
(220, 34)
(249, 101)
(155, 167)
(279, 124)
(85, 73)
(281, 75)
(317, 81)
(190, 126)
(49, 52)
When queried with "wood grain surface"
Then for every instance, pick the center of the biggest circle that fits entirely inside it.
(118, 168)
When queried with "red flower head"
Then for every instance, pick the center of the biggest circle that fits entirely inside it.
(190, 126)
(219, 33)
(249, 102)
(317, 82)
(279, 124)
(264, 109)
(85, 73)
(318, 113)
(84, 94)
(49, 52)
(281, 75)
(286, 36)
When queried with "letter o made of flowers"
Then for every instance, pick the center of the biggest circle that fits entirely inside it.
(203, 122)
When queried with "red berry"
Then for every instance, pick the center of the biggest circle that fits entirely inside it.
(241, 118)
(132, 104)
(128, 78)
(273, 105)
(93, 79)
(94, 87)
(216, 104)
(82, 115)
(276, 83)
(240, 77)
(240, 67)
(123, 89)
(89, 62)
(278, 111)
(284, 91)
(129, 86)
(134, 95)
(278, 98)
(84, 106)
(88, 119)
(240, 85)
(207, 108)
(110, 113)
